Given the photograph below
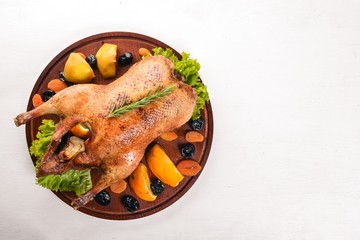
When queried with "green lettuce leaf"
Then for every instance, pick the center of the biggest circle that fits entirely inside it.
(39, 145)
(78, 181)
(189, 69)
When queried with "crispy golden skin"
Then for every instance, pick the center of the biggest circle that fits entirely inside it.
(117, 144)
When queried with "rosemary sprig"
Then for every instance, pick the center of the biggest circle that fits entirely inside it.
(119, 110)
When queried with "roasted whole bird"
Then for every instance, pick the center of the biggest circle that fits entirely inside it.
(117, 144)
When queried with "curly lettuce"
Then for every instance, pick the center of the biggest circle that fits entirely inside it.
(188, 68)
(78, 181)
(43, 137)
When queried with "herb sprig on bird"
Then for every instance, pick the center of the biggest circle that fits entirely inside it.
(127, 107)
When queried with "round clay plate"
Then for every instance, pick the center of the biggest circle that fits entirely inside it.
(126, 42)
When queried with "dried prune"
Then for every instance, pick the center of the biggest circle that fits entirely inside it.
(103, 198)
(125, 59)
(47, 94)
(187, 150)
(157, 187)
(91, 60)
(196, 124)
(130, 203)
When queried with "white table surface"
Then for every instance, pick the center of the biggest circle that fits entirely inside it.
(284, 82)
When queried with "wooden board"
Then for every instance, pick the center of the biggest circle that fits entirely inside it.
(126, 42)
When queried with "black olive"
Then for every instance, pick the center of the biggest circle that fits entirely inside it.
(196, 124)
(157, 187)
(187, 150)
(102, 198)
(62, 77)
(125, 59)
(130, 203)
(46, 95)
(91, 60)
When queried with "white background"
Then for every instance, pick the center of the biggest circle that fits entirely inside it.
(284, 82)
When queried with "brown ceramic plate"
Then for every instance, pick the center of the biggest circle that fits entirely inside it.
(126, 42)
